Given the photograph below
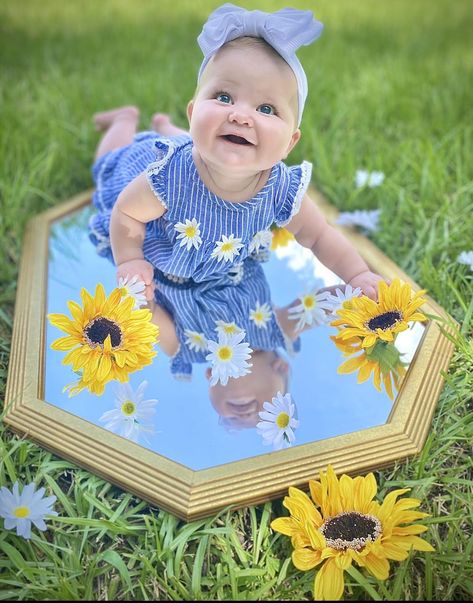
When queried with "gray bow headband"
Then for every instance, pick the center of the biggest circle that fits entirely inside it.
(285, 30)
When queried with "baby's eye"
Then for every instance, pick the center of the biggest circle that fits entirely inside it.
(267, 109)
(223, 97)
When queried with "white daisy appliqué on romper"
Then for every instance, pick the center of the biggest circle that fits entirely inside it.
(227, 328)
(195, 341)
(189, 233)
(261, 240)
(227, 249)
(261, 315)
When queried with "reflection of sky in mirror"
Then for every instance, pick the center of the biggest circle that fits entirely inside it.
(186, 425)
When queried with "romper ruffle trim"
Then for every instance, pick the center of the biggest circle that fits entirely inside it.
(299, 180)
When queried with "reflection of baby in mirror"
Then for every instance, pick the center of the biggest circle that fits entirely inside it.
(193, 210)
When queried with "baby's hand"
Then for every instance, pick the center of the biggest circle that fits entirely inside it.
(143, 270)
(368, 282)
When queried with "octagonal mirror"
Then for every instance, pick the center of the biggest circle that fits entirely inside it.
(188, 457)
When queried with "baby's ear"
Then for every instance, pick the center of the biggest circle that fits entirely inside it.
(190, 109)
(294, 140)
(280, 366)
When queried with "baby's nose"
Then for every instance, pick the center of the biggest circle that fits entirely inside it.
(240, 117)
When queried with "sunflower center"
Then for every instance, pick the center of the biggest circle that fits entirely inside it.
(225, 352)
(98, 330)
(351, 530)
(128, 408)
(21, 512)
(282, 420)
(384, 321)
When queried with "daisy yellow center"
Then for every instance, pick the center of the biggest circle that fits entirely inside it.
(259, 316)
(128, 408)
(308, 302)
(225, 352)
(227, 247)
(98, 329)
(282, 420)
(351, 530)
(384, 321)
(190, 231)
(21, 512)
(230, 329)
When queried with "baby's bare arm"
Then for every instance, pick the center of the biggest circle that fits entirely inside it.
(334, 250)
(136, 205)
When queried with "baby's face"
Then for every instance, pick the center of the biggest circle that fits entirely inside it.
(240, 401)
(244, 115)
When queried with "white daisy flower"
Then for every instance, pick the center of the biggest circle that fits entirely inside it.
(337, 299)
(134, 288)
(21, 510)
(311, 310)
(261, 240)
(228, 357)
(367, 219)
(189, 233)
(227, 328)
(227, 248)
(466, 257)
(195, 341)
(277, 422)
(131, 416)
(261, 315)
(370, 179)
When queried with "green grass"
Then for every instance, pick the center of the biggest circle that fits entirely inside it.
(390, 90)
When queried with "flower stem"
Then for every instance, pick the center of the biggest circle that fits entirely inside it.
(362, 581)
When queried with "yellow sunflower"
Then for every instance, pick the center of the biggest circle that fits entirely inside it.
(341, 524)
(281, 236)
(106, 338)
(383, 360)
(371, 321)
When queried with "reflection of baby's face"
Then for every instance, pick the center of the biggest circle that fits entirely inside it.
(241, 399)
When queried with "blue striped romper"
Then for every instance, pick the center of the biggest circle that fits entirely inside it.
(206, 251)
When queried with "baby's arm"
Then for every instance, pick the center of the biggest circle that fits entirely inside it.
(334, 250)
(136, 205)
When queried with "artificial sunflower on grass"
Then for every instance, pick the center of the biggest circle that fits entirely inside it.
(106, 338)
(382, 320)
(340, 524)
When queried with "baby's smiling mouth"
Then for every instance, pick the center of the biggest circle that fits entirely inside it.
(236, 139)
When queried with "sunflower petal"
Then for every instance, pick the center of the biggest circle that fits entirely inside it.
(305, 559)
(329, 582)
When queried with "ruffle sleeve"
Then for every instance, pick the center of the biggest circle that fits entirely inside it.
(295, 182)
(159, 172)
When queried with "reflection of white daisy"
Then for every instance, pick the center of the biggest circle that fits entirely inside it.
(337, 299)
(261, 240)
(227, 248)
(261, 315)
(311, 310)
(277, 422)
(228, 328)
(466, 257)
(134, 288)
(131, 414)
(370, 179)
(228, 357)
(367, 219)
(189, 233)
(195, 341)
(21, 510)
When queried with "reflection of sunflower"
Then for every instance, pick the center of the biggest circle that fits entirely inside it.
(107, 339)
(346, 525)
(383, 360)
(372, 320)
(281, 236)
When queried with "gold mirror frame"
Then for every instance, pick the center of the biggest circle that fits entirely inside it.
(193, 494)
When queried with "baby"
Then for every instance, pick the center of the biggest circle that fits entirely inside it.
(193, 211)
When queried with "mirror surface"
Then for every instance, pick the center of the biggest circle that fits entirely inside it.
(183, 425)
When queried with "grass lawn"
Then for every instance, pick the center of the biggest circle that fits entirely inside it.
(390, 90)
